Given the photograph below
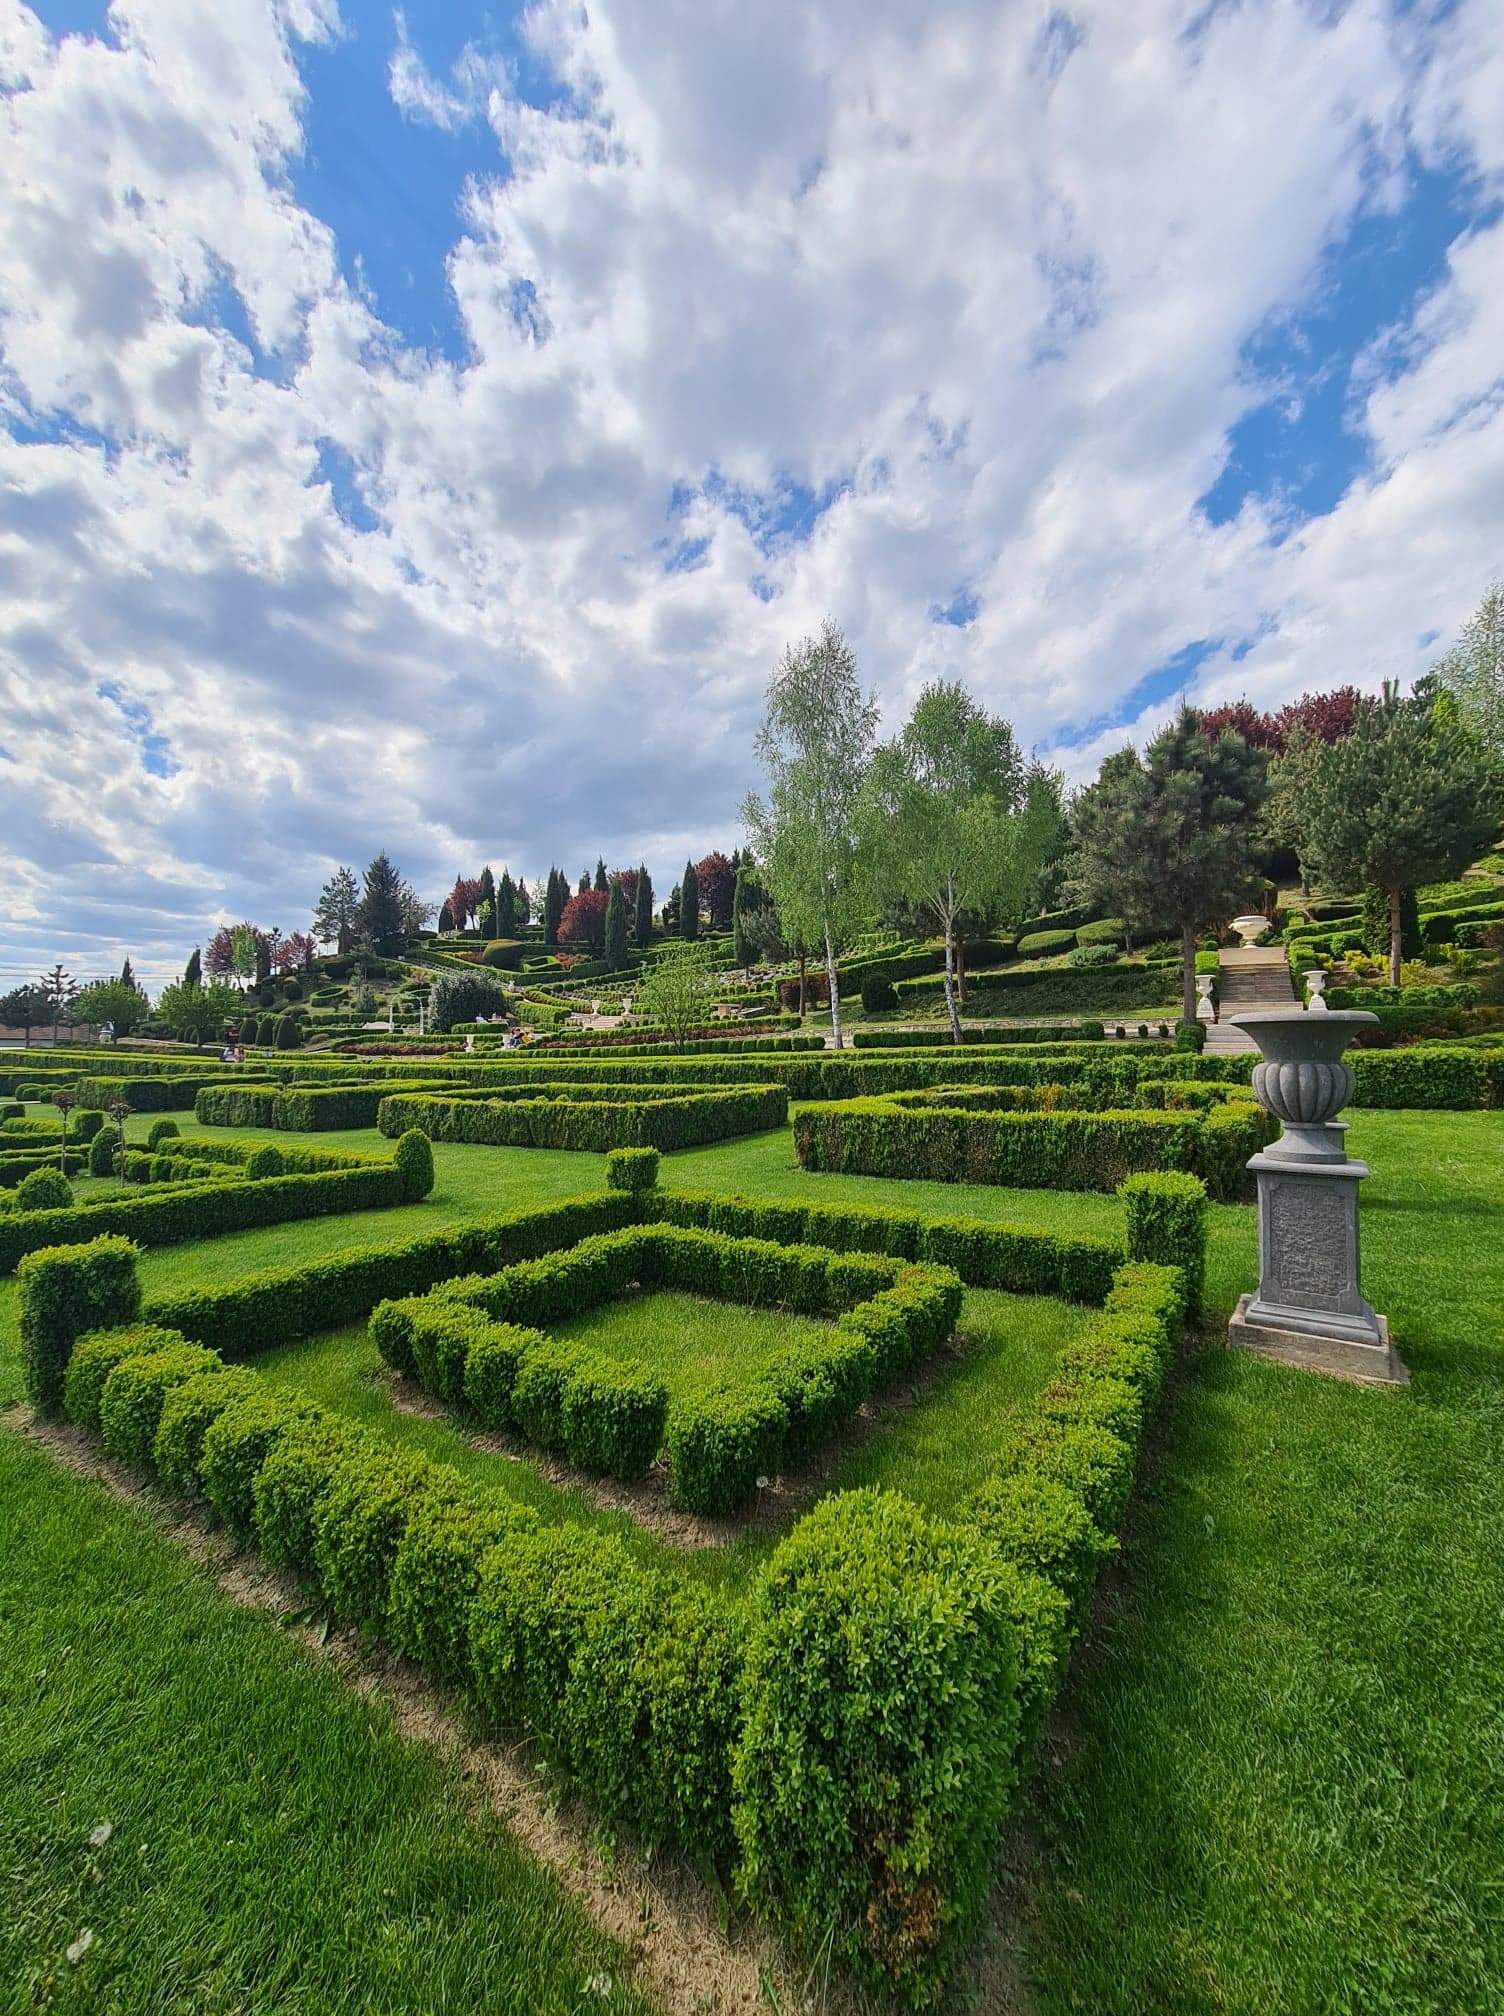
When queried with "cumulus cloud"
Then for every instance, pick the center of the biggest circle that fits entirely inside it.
(907, 316)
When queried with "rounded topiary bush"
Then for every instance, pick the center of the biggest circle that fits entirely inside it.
(360, 1520)
(160, 1131)
(879, 995)
(186, 1414)
(266, 1161)
(236, 1445)
(86, 1124)
(44, 1190)
(289, 1036)
(94, 1358)
(102, 1151)
(414, 1162)
(266, 1032)
(1093, 955)
(1106, 931)
(130, 1407)
(1041, 944)
(632, 1168)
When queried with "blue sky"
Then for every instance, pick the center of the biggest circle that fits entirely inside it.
(425, 427)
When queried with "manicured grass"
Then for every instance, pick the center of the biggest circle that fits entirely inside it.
(689, 1342)
(274, 1845)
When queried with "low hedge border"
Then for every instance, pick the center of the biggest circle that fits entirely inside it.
(1063, 1149)
(847, 1745)
(16, 1166)
(294, 1109)
(574, 1122)
(611, 1416)
(171, 1213)
(879, 1038)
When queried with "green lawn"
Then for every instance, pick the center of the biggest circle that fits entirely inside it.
(688, 1341)
(1278, 1779)
(273, 1845)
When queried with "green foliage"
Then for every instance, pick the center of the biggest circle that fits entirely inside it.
(287, 1033)
(130, 1403)
(237, 1442)
(1166, 1223)
(102, 1151)
(689, 903)
(436, 1572)
(413, 1161)
(632, 1168)
(675, 990)
(878, 1750)
(291, 1482)
(187, 1412)
(879, 995)
(1090, 958)
(95, 1356)
(64, 1291)
(619, 1118)
(44, 1190)
(359, 1521)
(160, 1131)
(1045, 944)
(264, 1162)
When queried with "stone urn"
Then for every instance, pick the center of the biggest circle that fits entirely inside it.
(1205, 1011)
(1316, 987)
(1251, 928)
(1309, 1309)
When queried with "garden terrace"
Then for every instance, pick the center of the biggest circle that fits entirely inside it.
(701, 1727)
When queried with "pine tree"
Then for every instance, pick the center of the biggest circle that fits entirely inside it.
(127, 977)
(602, 881)
(585, 883)
(337, 917)
(524, 904)
(689, 904)
(1407, 798)
(381, 904)
(506, 907)
(193, 972)
(486, 904)
(616, 930)
(644, 918)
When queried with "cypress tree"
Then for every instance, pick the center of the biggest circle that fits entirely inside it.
(601, 882)
(644, 918)
(689, 903)
(486, 904)
(616, 931)
(506, 907)
(553, 906)
(584, 884)
(193, 972)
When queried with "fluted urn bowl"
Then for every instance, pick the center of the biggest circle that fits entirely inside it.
(1302, 1079)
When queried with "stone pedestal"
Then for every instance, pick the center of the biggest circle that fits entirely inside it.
(1309, 1309)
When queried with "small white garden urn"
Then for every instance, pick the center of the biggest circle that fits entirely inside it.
(1250, 928)
(1205, 1011)
(1309, 1309)
(1316, 987)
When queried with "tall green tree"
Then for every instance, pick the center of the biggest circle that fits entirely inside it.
(193, 972)
(24, 1008)
(120, 1003)
(382, 905)
(555, 896)
(747, 901)
(643, 922)
(689, 904)
(616, 929)
(243, 948)
(676, 989)
(956, 822)
(602, 881)
(485, 904)
(815, 745)
(1473, 673)
(524, 903)
(1407, 798)
(60, 991)
(506, 906)
(1183, 826)
(336, 916)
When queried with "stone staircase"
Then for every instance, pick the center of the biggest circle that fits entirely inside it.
(1258, 976)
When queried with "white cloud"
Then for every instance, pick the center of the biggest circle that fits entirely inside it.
(983, 277)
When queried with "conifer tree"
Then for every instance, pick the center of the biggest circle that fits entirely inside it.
(193, 972)
(616, 930)
(485, 904)
(382, 908)
(644, 918)
(506, 907)
(689, 904)
(602, 882)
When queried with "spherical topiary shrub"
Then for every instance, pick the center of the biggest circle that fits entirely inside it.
(160, 1131)
(288, 1036)
(266, 1161)
(414, 1162)
(44, 1190)
(102, 1151)
(632, 1168)
(879, 995)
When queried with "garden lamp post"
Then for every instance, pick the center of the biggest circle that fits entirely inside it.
(1309, 1309)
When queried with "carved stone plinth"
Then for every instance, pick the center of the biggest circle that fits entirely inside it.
(1309, 1309)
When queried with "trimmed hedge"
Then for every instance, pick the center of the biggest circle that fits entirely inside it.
(632, 1168)
(165, 1094)
(197, 1210)
(1065, 1150)
(279, 1304)
(936, 1040)
(294, 1109)
(1166, 1223)
(611, 1416)
(130, 1404)
(574, 1122)
(1436, 1077)
(65, 1291)
(95, 1356)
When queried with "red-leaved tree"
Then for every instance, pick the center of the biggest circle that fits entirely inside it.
(584, 920)
(717, 882)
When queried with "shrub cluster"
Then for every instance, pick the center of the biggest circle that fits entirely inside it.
(295, 1109)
